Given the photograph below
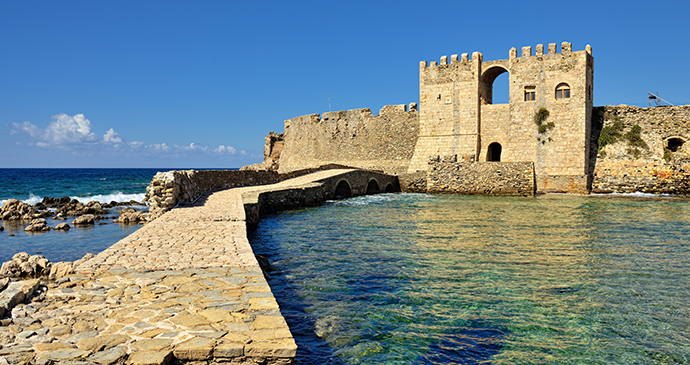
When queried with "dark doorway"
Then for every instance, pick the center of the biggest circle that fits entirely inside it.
(389, 188)
(342, 190)
(493, 153)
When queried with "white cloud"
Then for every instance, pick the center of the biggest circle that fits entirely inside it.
(26, 127)
(74, 133)
(111, 137)
(69, 130)
(225, 149)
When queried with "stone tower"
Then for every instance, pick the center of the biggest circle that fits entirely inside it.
(457, 116)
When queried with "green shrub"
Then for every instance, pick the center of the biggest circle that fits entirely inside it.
(667, 155)
(540, 118)
(611, 133)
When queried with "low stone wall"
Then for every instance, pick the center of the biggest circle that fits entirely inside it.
(167, 189)
(172, 187)
(482, 178)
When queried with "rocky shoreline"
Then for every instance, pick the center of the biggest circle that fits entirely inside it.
(63, 208)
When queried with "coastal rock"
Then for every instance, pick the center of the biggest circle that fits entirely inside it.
(55, 202)
(130, 215)
(61, 269)
(62, 227)
(24, 265)
(14, 209)
(2, 228)
(38, 225)
(83, 220)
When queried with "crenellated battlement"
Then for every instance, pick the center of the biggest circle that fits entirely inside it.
(526, 51)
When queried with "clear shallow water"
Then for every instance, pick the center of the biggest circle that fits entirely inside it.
(420, 279)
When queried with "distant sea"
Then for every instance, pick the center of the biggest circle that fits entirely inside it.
(103, 185)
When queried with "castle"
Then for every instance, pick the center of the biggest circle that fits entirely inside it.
(457, 116)
(545, 139)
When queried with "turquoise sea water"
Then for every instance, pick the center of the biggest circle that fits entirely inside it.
(422, 279)
(103, 185)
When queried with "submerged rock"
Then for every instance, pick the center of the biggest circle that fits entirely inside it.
(84, 220)
(38, 225)
(62, 227)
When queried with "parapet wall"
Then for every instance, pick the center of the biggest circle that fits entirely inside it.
(480, 178)
(662, 165)
(172, 187)
(354, 138)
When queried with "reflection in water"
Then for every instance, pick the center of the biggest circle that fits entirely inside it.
(422, 279)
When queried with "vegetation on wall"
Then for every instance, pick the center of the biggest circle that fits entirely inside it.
(614, 132)
(540, 120)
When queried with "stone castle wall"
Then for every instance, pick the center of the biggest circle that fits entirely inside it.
(662, 166)
(354, 138)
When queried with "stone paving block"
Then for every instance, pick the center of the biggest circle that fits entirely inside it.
(286, 348)
(150, 358)
(110, 356)
(196, 348)
(153, 344)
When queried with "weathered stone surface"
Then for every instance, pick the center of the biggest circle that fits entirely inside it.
(286, 348)
(196, 348)
(65, 355)
(109, 356)
(228, 350)
(102, 342)
(154, 344)
(149, 358)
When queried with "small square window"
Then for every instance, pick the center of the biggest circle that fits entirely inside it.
(530, 93)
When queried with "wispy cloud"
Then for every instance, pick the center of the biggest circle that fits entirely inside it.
(75, 133)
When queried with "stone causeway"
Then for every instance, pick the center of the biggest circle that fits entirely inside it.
(185, 288)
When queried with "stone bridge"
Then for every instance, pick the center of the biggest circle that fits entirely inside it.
(185, 288)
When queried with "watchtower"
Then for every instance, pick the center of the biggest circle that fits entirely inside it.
(457, 115)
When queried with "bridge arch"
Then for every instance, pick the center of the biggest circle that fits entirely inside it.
(390, 188)
(373, 187)
(343, 190)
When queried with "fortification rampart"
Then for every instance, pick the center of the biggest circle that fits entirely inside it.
(355, 138)
(641, 149)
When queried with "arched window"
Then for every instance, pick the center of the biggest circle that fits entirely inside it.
(493, 153)
(530, 93)
(562, 91)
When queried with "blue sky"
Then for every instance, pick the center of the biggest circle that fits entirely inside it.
(199, 84)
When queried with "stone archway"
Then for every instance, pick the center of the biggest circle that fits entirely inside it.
(486, 83)
(493, 152)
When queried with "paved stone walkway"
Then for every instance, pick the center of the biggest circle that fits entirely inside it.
(184, 288)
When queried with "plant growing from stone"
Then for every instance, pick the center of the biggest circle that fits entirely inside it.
(540, 120)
